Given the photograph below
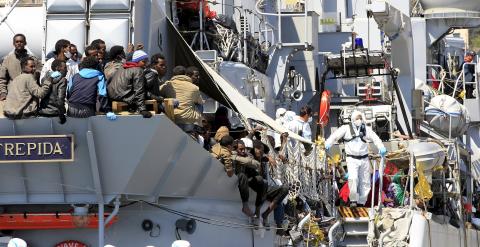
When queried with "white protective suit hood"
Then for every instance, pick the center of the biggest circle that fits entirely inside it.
(355, 115)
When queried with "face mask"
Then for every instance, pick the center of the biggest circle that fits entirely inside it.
(67, 54)
(310, 119)
(358, 122)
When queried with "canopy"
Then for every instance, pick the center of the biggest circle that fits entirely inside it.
(215, 86)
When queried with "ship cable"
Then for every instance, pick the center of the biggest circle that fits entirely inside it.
(204, 219)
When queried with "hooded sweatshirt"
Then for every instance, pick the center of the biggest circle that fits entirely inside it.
(85, 86)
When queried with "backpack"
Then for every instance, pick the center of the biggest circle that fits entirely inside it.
(362, 133)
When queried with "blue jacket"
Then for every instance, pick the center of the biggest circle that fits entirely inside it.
(85, 86)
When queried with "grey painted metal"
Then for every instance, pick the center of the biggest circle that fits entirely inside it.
(98, 187)
(132, 156)
(172, 161)
(127, 231)
(23, 173)
(59, 165)
(101, 224)
(94, 167)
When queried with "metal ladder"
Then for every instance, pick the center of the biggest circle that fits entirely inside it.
(356, 231)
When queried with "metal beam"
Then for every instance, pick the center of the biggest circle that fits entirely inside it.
(60, 168)
(22, 169)
(98, 186)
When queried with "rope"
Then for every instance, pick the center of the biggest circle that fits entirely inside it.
(302, 173)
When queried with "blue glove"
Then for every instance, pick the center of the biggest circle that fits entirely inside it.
(327, 147)
(346, 176)
(382, 151)
(176, 103)
(111, 116)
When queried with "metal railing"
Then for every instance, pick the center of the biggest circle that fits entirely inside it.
(462, 77)
(439, 69)
(279, 16)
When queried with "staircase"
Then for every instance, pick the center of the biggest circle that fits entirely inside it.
(356, 231)
(355, 227)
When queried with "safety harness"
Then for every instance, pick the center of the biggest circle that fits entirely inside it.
(362, 133)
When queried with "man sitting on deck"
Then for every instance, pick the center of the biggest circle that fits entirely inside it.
(187, 114)
(128, 86)
(24, 92)
(83, 90)
(274, 193)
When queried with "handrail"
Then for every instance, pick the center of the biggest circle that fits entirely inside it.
(456, 82)
(279, 14)
(442, 73)
(331, 242)
(372, 205)
(412, 160)
(475, 73)
(462, 75)
(380, 183)
(9, 11)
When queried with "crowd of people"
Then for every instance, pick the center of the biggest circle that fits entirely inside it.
(70, 84)
(74, 85)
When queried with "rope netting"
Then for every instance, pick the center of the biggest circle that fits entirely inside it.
(304, 172)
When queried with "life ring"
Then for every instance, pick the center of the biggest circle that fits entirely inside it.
(324, 108)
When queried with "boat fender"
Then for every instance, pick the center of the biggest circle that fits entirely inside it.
(324, 108)
(147, 225)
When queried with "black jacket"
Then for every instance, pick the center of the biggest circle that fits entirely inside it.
(54, 103)
(152, 84)
(127, 86)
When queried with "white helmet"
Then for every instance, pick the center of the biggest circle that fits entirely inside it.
(17, 242)
(181, 243)
(109, 245)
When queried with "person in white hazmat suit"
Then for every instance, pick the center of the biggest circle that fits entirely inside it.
(355, 136)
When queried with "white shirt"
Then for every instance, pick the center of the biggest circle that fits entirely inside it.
(72, 68)
(298, 125)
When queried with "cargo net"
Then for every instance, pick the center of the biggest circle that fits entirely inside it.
(304, 172)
